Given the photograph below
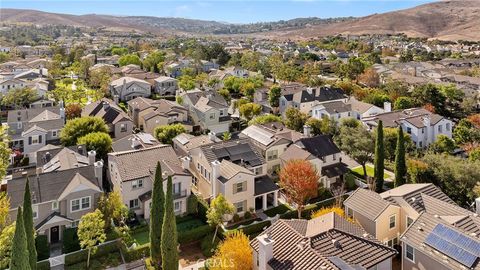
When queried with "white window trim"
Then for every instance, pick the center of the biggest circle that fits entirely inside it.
(395, 216)
(406, 221)
(35, 210)
(80, 204)
(413, 253)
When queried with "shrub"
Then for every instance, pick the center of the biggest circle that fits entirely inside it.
(81, 255)
(255, 228)
(70, 240)
(43, 248)
(280, 209)
(184, 218)
(248, 215)
(236, 218)
(192, 204)
(202, 209)
(137, 252)
(194, 234)
(350, 182)
(43, 265)
(208, 248)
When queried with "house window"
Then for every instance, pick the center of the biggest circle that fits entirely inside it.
(75, 223)
(447, 126)
(240, 206)
(423, 130)
(440, 127)
(212, 116)
(392, 242)
(409, 221)
(134, 204)
(272, 154)
(19, 124)
(258, 170)
(239, 187)
(35, 211)
(55, 205)
(410, 253)
(177, 188)
(409, 130)
(123, 127)
(80, 204)
(137, 183)
(392, 222)
(54, 133)
(178, 206)
(334, 157)
(420, 144)
(35, 139)
(350, 212)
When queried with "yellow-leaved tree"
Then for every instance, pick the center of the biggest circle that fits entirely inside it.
(233, 253)
(335, 209)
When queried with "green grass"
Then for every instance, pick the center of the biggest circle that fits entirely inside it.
(142, 237)
(359, 171)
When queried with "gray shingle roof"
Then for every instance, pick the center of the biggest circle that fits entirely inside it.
(366, 202)
(239, 151)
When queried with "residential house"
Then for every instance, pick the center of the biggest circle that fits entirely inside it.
(128, 88)
(165, 86)
(139, 140)
(132, 173)
(147, 114)
(304, 99)
(423, 126)
(272, 139)
(118, 121)
(387, 215)
(6, 85)
(322, 153)
(64, 189)
(31, 129)
(234, 169)
(183, 143)
(363, 109)
(325, 242)
(208, 110)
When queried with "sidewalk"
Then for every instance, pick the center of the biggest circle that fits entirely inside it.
(196, 266)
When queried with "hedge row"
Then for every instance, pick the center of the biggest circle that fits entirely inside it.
(43, 265)
(255, 228)
(194, 234)
(81, 256)
(136, 253)
(42, 246)
(309, 209)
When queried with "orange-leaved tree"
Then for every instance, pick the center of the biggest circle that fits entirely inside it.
(233, 253)
(299, 180)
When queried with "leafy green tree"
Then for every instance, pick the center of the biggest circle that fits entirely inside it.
(91, 232)
(112, 208)
(219, 208)
(169, 232)
(430, 94)
(4, 209)
(400, 161)
(6, 235)
(152, 61)
(295, 119)
(4, 57)
(226, 136)
(248, 90)
(354, 67)
(156, 217)
(250, 110)
(19, 98)
(274, 96)
(233, 84)
(101, 142)
(403, 103)
(326, 126)
(166, 133)
(465, 132)
(443, 144)
(265, 119)
(186, 82)
(118, 51)
(129, 59)
(379, 162)
(4, 153)
(28, 225)
(79, 127)
(225, 94)
(20, 257)
(473, 155)
(357, 142)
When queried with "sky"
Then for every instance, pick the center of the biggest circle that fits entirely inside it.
(233, 11)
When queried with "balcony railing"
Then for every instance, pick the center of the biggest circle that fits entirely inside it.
(181, 194)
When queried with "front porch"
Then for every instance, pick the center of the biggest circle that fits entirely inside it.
(266, 193)
(53, 227)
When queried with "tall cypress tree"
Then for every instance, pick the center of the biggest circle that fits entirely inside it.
(379, 158)
(156, 217)
(169, 229)
(28, 223)
(19, 259)
(400, 162)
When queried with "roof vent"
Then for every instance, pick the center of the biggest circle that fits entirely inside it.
(336, 244)
(413, 199)
(365, 235)
(420, 229)
(436, 216)
(473, 234)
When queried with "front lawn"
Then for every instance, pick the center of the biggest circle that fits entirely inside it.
(280, 209)
(370, 172)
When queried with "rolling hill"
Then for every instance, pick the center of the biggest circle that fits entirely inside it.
(447, 20)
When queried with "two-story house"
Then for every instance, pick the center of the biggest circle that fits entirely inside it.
(147, 114)
(305, 98)
(387, 215)
(183, 143)
(66, 187)
(236, 170)
(165, 86)
(134, 141)
(422, 125)
(326, 242)
(208, 109)
(31, 129)
(322, 153)
(272, 139)
(128, 88)
(118, 122)
(132, 173)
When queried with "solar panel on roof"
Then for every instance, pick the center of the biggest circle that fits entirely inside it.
(182, 139)
(238, 149)
(455, 245)
(147, 138)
